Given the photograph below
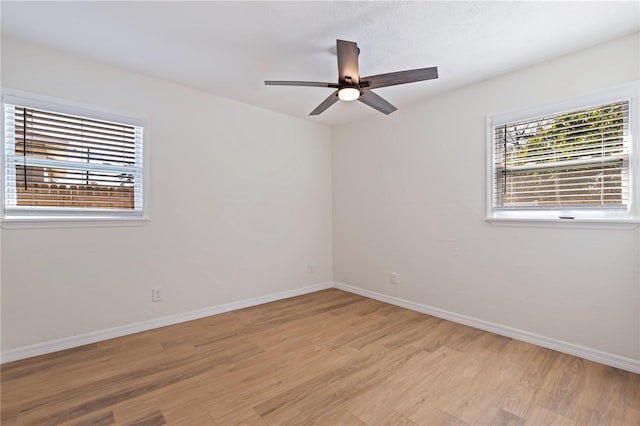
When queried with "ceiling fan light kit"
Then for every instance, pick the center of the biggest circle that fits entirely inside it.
(351, 86)
(349, 93)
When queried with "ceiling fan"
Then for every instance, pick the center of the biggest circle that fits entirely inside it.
(351, 86)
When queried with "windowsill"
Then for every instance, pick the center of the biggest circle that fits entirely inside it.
(565, 223)
(71, 222)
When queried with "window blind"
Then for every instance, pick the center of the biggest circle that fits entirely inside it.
(59, 162)
(576, 159)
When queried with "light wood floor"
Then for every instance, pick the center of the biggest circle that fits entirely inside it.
(327, 358)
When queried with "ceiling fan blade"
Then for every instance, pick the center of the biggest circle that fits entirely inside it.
(399, 77)
(300, 83)
(348, 61)
(377, 102)
(332, 99)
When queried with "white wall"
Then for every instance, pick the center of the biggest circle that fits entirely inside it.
(240, 205)
(409, 197)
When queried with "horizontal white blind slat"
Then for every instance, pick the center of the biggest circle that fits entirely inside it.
(560, 165)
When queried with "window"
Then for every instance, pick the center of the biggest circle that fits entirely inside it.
(566, 162)
(60, 165)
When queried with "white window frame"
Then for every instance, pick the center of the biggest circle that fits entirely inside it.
(580, 217)
(77, 218)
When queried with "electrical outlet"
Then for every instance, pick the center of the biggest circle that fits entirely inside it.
(394, 278)
(156, 296)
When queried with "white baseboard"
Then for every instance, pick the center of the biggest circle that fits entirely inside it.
(97, 336)
(606, 358)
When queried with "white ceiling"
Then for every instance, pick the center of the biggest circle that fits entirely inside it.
(230, 48)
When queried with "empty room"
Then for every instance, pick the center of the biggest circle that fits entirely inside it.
(320, 213)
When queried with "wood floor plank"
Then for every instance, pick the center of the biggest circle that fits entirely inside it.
(497, 416)
(633, 391)
(480, 388)
(191, 412)
(536, 364)
(417, 389)
(253, 420)
(397, 419)
(561, 390)
(602, 380)
(632, 418)
(585, 416)
(327, 358)
(373, 406)
(339, 417)
(100, 419)
(543, 417)
(135, 409)
(435, 416)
